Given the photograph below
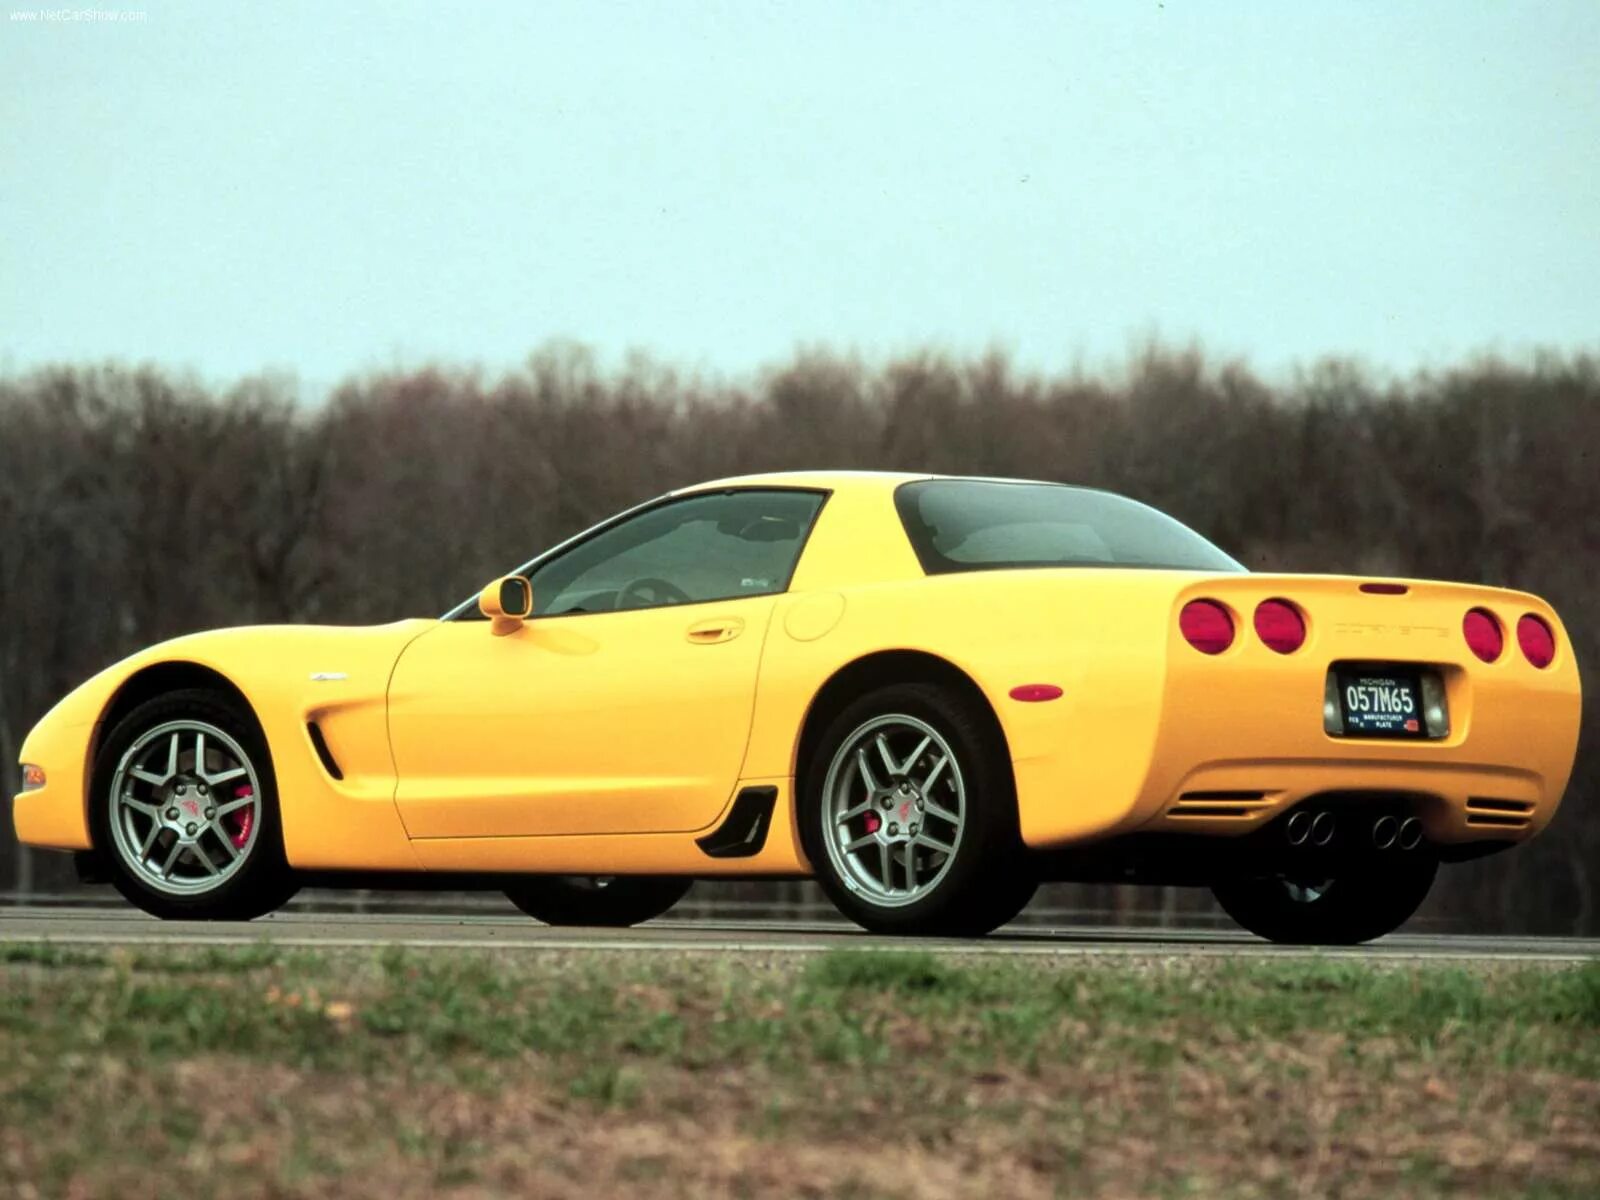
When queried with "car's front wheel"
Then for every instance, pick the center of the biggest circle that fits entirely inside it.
(608, 900)
(908, 815)
(185, 812)
(1342, 909)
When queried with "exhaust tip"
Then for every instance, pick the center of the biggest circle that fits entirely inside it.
(1410, 835)
(1385, 831)
(1298, 828)
(1322, 826)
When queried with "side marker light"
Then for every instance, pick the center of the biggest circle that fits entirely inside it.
(1034, 692)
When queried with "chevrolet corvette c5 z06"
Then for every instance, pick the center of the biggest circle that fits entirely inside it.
(929, 693)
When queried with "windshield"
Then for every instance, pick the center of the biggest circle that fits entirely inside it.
(978, 525)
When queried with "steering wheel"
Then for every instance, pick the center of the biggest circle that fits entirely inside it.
(651, 592)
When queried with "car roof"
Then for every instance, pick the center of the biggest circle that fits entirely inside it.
(833, 481)
(836, 481)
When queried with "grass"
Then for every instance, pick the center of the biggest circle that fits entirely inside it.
(353, 1073)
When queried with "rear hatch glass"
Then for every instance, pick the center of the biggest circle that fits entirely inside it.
(979, 524)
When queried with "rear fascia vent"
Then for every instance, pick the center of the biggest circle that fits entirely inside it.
(1219, 804)
(1503, 814)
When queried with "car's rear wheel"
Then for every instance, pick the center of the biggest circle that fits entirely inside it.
(184, 810)
(908, 815)
(607, 900)
(1330, 910)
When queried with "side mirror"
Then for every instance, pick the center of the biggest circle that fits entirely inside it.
(507, 603)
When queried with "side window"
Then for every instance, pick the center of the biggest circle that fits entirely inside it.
(719, 546)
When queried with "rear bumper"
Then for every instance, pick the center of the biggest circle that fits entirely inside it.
(1456, 801)
(1223, 744)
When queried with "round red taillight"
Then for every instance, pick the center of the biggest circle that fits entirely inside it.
(1206, 626)
(1537, 639)
(1483, 634)
(1280, 625)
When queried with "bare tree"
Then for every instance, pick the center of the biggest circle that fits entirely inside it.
(176, 507)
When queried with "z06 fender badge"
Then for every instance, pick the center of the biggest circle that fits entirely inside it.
(328, 676)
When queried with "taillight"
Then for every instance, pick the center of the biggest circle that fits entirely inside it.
(1206, 626)
(1537, 640)
(1483, 634)
(1280, 625)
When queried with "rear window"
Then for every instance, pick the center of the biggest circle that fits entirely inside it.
(981, 525)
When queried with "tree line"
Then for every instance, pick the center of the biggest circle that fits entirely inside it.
(138, 503)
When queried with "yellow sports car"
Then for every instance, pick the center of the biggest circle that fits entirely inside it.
(929, 693)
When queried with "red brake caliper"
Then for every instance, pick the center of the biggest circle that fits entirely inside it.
(246, 817)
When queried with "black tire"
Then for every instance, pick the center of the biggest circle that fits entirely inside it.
(1001, 902)
(985, 881)
(261, 881)
(613, 901)
(1342, 911)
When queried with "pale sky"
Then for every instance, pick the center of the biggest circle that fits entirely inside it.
(326, 189)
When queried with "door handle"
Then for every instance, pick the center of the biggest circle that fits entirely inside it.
(715, 629)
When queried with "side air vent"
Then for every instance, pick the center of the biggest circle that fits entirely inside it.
(1502, 814)
(320, 745)
(1219, 804)
(744, 832)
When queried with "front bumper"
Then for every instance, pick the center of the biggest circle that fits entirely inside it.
(55, 816)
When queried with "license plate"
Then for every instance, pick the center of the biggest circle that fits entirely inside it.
(1381, 704)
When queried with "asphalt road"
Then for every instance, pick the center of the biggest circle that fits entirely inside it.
(126, 926)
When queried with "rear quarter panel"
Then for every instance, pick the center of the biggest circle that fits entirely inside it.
(1080, 761)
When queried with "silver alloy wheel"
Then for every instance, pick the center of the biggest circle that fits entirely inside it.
(894, 807)
(185, 808)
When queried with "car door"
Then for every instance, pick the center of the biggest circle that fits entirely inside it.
(623, 705)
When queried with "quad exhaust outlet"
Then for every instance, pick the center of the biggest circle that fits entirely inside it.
(1303, 827)
(1323, 827)
(1410, 834)
(1385, 831)
(1389, 832)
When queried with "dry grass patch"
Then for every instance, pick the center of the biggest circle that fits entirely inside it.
(564, 1074)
